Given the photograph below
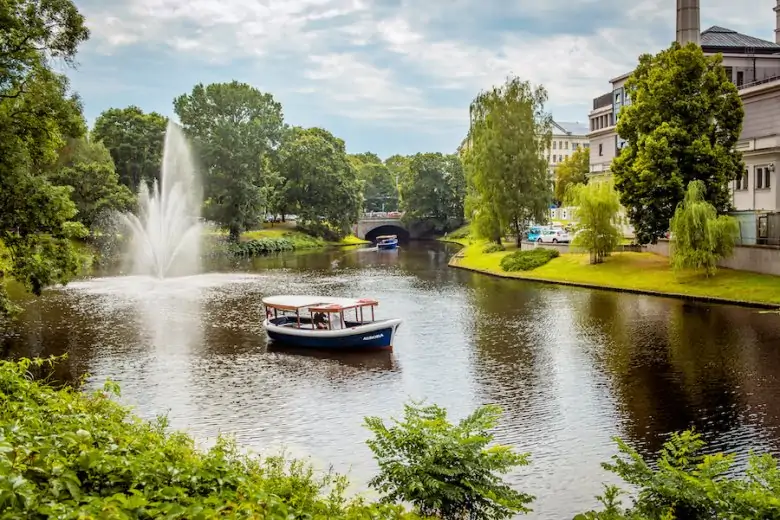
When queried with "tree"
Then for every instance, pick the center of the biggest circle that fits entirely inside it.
(700, 238)
(37, 111)
(444, 470)
(95, 189)
(682, 125)
(597, 212)
(320, 183)
(433, 190)
(571, 172)
(135, 141)
(236, 129)
(504, 159)
(380, 191)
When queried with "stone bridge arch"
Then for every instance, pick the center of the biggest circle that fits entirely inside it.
(370, 228)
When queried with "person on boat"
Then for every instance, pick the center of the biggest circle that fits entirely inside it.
(319, 320)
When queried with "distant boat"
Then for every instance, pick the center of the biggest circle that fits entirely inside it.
(327, 323)
(387, 242)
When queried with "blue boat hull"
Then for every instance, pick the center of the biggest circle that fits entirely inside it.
(386, 247)
(370, 340)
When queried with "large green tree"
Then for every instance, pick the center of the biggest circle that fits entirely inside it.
(598, 218)
(320, 184)
(37, 112)
(380, 192)
(87, 168)
(237, 129)
(433, 191)
(682, 125)
(135, 140)
(508, 183)
(572, 171)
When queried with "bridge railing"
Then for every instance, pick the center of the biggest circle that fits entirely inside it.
(374, 215)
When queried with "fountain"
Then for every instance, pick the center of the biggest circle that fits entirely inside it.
(165, 236)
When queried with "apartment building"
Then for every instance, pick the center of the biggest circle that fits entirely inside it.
(566, 138)
(753, 64)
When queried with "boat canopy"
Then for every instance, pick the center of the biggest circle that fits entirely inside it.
(382, 237)
(316, 303)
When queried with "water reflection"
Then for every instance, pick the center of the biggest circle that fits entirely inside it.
(571, 367)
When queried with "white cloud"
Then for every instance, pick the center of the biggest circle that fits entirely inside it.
(366, 61)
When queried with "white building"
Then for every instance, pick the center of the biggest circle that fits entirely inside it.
(753, 64)
(566, 138)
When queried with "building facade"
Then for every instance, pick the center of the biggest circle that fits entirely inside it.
(566, 139)
(753, 65)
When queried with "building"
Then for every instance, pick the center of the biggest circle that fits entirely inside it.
(566, 138)
(753, 64)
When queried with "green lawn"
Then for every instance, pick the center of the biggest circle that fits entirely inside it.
(634, 271)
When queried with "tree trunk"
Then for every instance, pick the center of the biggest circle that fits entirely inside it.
(235, 233)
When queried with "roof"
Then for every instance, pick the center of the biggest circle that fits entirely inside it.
(724, 38)
(320, 302)
(570, 128)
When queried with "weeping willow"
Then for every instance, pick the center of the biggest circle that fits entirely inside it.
(700, 238)
(598, 218)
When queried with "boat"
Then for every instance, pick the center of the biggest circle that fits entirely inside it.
(387, 242)
(324, 322)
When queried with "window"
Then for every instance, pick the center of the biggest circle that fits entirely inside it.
(741, 183)
(555, 145)
(566, 145)
(759, 178)
(553, 158)
(601, 149)
(730, 73)
(740, 78)
(766, 178)
(560, 145)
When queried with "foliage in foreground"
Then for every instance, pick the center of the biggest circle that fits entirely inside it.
(68, 454)
(700, 237)
(683, 124)
(528, 260)
(598, 218)
(446, 470)
(684, 483)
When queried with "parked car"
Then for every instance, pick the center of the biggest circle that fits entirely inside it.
(534, 233)
(554, 236)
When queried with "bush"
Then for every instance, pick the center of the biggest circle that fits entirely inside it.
(685, 483)
(261, 246)
(493, 248)
(461, 232)
(68, 454)
(445, 470)
(528, 260)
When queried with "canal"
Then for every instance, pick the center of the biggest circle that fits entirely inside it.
(571, 367)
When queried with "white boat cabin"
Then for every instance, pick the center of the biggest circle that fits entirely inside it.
(319, 312)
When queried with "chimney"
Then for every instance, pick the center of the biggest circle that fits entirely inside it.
(689, 22)
(777, 22)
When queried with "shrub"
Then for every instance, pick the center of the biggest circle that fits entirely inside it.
(683, 482)
(445, 470)
(528, 260)
(493, 248)
(68, 454)
(261, 246)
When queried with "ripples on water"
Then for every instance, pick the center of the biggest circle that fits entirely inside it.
(571, 367)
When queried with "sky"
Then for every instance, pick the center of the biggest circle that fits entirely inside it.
(388, 76)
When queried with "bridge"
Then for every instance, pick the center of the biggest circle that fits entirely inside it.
(372, 225)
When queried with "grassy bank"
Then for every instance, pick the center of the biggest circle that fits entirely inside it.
(641, 272)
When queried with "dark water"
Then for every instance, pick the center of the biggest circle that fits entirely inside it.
(571, 367)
